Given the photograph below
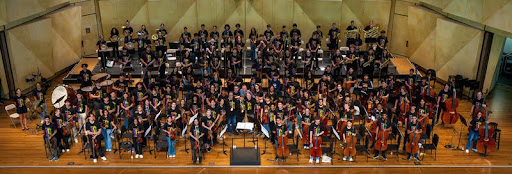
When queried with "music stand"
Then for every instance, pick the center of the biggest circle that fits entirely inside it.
(223, 142)
(245, 126)
(183, 135)
(265, 132)
(464, 122)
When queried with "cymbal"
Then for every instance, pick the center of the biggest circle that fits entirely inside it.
(100, 76)
(107, 83)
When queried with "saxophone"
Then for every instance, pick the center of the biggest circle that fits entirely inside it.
(366, 64)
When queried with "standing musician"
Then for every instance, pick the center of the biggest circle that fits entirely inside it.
(315, 130)
(171, 133)
(39, 95)
(207, 124)
(306, 123)
(369, 40)
(347, 132)
(107, 123)
(163, 30)
(382, 42)
(61, 124)
(383, 124)
(401, 102)
(442, 96)
(85, 76)
(127, 30)
(408, 120)
(81, 107)
(93, 132)
(49, 132)
(334, 33)
(114, 38)
(413, 128)
(350, 41)
(101, 46)
(137, 130)
(279, 131)
(195, 135)
(383, 92)
(479, 104)
(125, 58)
(69, 115)
(474, 125)
(139, 94)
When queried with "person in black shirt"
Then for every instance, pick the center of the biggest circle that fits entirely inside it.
(268, 34)
(171, 133)
(350, 41)
(207, 123)
(93, 130)
(85, 76)
(21, 108)
(107, 122)
(114, 38)
(214, 34)
(442, 96)
(473, 131)
(139, 94)
(382, 42)
(313, 46)
(50, 132)
(479, 104)
(137, 130)
(231, 106)
(227, 33)
(195, 133)
(348, 132)
(203, 33)
(315, 130)
(101, 46)
(39, 95)
(238, 31)
(333, 38)
(106, 105)
(383, 125)
(413, 128)
(295, 45)
(280, 132)
(69, 114)
(127, 30)
(295, 31)
(82, 109)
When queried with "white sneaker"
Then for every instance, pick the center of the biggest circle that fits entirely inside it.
(318, 160)
(63, 150)
(310, 160)
(344, 158)
(170, 156)
(67, 150)
(174, 156)
(76, 140)
(42, 121)
(141, 156)
(104, 158)
(137, 156)
(94, 160)
(467, 150)
(474, 150)
(350, 159)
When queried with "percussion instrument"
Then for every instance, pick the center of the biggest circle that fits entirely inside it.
(86, 91)
(108, 85)
(100, 77)
(61, 94)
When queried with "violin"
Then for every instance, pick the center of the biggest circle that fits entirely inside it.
(96, 145)
(382, 144)
(350, 149)
(486, 143)
(450, 116)
(65, 131)
(197, 146)
(283, 150)
(412, 146)
(139, 138)
(172, 135)
(316, 150)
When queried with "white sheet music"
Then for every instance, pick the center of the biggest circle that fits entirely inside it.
(265, 132)
(192, 119)
(147, 131)
(298, 131)
(157, 115)
(244, 126)
(184, 130)
(336, 133)
(223, 131)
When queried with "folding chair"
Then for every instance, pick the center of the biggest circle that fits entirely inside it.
(433, 146)
(11, 116)
(294, 148)
(160, 142)
(125, 143)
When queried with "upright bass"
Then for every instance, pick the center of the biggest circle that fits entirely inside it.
(450, 116)
(486, 143)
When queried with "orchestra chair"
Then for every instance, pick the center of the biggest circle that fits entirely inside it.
(13, 115)
(294, 148)
(329, 150)
(497, 133)
(30, 112)
(459, 84)
(160, 142)
(86, 147)
(125, 143)
(427, 134)
(363, 147)
(361, 132)
(393, 148)
(432, 146)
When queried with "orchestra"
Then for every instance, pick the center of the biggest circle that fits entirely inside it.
(354, 96)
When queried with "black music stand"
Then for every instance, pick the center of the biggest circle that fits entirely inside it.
(465, 123)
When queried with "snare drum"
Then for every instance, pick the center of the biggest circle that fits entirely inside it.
(61, 94)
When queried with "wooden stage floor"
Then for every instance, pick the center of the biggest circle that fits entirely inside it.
(23, 150)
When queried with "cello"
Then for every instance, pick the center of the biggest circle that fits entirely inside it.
(480, 109)
(282, 150)
(412, 146)
(382, 144)
(486, 143)
(316, 150)
(350, 149)
(450, 116)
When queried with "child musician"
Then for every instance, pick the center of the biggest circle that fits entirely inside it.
(93, 131)
(170, 130)
(279, 131)
(383, 124)
(413, 127)
(315, 130)
(473, 133)
(49, 130)
(195, 135)
(348, 131)
(138, 132)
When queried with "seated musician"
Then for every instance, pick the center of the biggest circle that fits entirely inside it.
(277, 44)
(383, 92)
(125, 58)
(474, 125)
(49, 131)
(107, 121)
(366, 85)
(383, 124)
(306, 121)
(160, 42)
(413, 127)
(93, 132)
(195, 135)
(128, 44)
(347, 132)
(315, 130)
(295, 43)
(350, 41)
(279, 131)
(171, 131)
(337, 63)
(207, 123)
(137, 130)
(479, 104)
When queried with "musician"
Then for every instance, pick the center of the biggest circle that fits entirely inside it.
(207, 124)
(383, 92)
(203, 33)
(366, 85)
(352, 56)
(139, 94)
(315, 130)
(127, 30)
(214, 34)
(85, 76)
(408, 120)
(474, 125)
(128, 44)
(350, 41)
(162, 29)
(383, 124)
(195, 135)
(49, 132)
(382, 42)
(295, 44)
(333, 38)
(101, 46)
(197, 46)
(125, 58)
(369, 40)
(279, 131)
(107, 122)
(478, 104)
(235, 61)
(39, 95)
(126, 106)
(69, 115)
(227, 32)
(347, 132)
(114, 39)
(402, 101)
(160, 42)
(277, 43)
(143, 31)
(295, 31)
(82, 109)
(137, 130)
(171, 131)
(231, 107)
(313, 46)
(337, 63)
(264, 115)
(384, 61)
(306, 120)
(186, 35)
(60, 123)
(253, 37)
(442, 96)
(413, 127)
(106, 105)
(94, 132)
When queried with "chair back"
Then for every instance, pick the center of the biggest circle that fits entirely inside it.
(10, 107)
(435, 140)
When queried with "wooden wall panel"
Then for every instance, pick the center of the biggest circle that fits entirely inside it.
(422, 24)
(494, 57)
(67, 37)
(400, 35)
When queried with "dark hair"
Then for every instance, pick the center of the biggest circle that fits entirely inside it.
(284, 26)
(268, 25)
(237, 25)
(202, 25)
(185, 28)
(294, 25)
(318, 26)
(84, 65)
(227, 25)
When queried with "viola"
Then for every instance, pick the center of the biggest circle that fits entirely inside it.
(282, 150)
(316, 150)
(382, 141)
(350, 149)
(486, 143)
(412, 146)
(450, 116)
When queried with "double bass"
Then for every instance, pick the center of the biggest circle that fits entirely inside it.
(412, 146)
(382, 144)
(450, 116)
(350, 149)
(282, 150)
(480, 109)
(486, 143)
(305, 131)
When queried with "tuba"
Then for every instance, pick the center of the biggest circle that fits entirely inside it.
(352, 34)
(373, 32)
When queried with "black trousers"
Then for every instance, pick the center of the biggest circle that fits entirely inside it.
(440, 108)
(196, 153)
(95, 152)
(137, 145)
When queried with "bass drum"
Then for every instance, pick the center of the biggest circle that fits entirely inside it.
(61, 94)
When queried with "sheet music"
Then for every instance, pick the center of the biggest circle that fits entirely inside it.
(265, 132)
(147, 131)
(244, 126)
(223, 131)
(192, 119)
(157, 115)
(184, 130)
(336, 133)
(298, 131)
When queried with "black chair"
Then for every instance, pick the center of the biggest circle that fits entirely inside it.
(395, 147)
(459, 84)
(473, 86)
(426, 135)
(361, 132)
(125, 143)
(85, 146)
(294, 148)
(497, 133)
(160, 142)
(433, 146)
(364, 147)
(329, 150)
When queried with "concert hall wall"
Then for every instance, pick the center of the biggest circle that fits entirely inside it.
(49, 43)
(176, 14)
